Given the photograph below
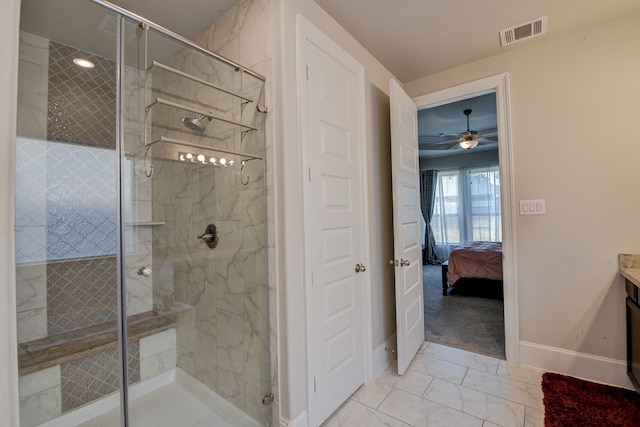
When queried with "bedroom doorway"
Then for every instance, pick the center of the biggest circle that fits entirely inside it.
(463, 210)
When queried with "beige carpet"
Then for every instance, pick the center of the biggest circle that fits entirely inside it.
(463, 319)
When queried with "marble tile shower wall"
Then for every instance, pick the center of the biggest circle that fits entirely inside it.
(53, 222)
(31, 277)
(75, 291)
(70, 105)
(245, 35)
(224, 341)
(237, 331)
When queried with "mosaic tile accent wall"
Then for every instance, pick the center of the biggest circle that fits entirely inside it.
(96, 376)
(81, 293)
(80, 192)
(81, 181)
(82, 102)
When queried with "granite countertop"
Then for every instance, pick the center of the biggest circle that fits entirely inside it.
(630, 267)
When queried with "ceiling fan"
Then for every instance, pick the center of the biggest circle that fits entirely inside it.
(465, 140)
(468, 139)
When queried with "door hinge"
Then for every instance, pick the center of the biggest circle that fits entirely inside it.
(314, 385)
(309, 174)
(307, 71)
(312, 279)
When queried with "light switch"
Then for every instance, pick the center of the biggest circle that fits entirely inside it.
(532, 207)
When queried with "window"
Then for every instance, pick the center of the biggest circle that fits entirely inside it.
(466, 207)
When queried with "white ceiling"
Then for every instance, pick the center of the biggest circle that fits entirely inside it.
(417, 38)
(185, 17)
(411, 38)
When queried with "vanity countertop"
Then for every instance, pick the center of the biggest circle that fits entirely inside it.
(630, 267)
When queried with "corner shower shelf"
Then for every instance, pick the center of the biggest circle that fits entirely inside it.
(162, 101)
(156, 64)
(166, 140)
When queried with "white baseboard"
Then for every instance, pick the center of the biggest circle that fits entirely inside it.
(381, 360)
(580, 365)
(301, 420)
(383, 357)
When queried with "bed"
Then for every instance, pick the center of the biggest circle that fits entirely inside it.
(474, 260)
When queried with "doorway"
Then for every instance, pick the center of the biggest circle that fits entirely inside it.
(498, 84)
(460, 189)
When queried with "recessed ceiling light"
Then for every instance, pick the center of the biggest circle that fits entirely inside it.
(84, 63)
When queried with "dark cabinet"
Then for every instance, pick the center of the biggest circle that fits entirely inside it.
(633, 334)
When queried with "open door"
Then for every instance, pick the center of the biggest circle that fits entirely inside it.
(406, 225)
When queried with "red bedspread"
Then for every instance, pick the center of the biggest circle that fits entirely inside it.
(479, 260)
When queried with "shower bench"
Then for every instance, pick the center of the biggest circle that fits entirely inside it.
(62, 348)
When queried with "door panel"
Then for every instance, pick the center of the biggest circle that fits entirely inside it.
(407, 227)
(334, 203)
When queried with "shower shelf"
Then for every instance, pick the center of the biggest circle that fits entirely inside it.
(156, 64)
(62, 348)
(162, 101)
(166, 140)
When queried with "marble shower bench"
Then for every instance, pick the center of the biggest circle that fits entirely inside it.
(65, 347)
(65, 371)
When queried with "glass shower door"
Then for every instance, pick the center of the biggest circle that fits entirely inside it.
(194, 235)
(66, 211)
(140, 198)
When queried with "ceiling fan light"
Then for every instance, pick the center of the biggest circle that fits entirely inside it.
(468, 144)
(468, 139)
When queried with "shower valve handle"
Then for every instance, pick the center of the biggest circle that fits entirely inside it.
(207, 237)
(210, 236)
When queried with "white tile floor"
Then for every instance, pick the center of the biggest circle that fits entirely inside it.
(447, 387)
(443, 387)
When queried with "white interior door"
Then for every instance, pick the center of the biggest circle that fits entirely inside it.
(334, 205)
(406, 225)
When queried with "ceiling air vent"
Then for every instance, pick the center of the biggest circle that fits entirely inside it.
(523, 31)
(109, 24)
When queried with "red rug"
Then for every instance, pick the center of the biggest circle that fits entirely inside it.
(570, 402)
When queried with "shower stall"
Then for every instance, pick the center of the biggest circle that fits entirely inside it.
(141, 250)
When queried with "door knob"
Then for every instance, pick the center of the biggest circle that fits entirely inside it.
(360, 268)
(392, 261)
(404, 262)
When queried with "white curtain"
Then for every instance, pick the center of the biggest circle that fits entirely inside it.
(466, 208)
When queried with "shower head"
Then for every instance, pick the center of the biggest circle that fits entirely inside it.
(196, 124)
